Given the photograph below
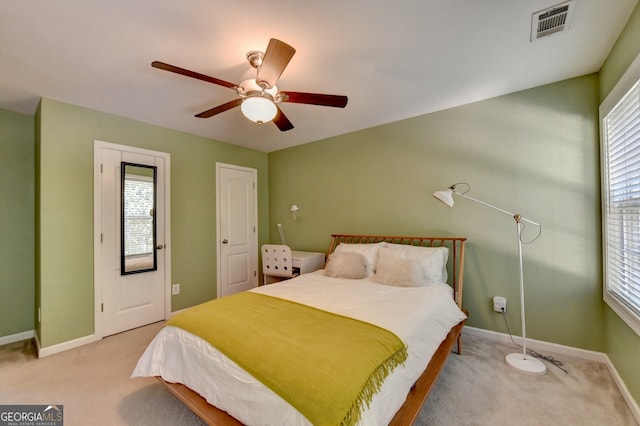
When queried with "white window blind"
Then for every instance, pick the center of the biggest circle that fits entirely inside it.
(621, 198)
(138, 215)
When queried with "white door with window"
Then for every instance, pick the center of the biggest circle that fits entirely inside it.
(237, 226)
(132, 257)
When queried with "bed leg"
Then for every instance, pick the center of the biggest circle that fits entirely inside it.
(459, 340)
(459, 351)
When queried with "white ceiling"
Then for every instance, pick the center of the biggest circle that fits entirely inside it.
(394, 60)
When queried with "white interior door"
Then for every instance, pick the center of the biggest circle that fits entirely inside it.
(237, 213)
(126, 301)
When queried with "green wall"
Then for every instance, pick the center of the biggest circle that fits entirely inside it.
(65, 199)
(534, 152)
(623, 344)
(16, 223)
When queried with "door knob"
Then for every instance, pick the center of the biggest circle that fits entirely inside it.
(160, 246)
(225, 241)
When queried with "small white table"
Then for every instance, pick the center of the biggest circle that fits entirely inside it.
(303, 263)
(307, 261)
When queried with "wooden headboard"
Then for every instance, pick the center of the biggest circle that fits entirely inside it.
(455, 245)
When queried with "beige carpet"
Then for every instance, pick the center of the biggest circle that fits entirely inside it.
(478, 388)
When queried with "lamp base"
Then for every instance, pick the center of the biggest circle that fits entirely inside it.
(528, 365)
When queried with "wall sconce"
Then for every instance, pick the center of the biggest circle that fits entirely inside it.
(294, 211)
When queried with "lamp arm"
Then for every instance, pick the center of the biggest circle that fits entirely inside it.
(517, 217)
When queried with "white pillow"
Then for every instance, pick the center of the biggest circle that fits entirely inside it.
(347, 265)
(433, 260)
(368, 250)
(394, 269)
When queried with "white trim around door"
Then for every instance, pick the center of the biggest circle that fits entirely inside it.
(236, 228)
(97, 227)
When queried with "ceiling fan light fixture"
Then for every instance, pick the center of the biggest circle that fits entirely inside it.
(258, 97)
(251, 87)
(258, 109)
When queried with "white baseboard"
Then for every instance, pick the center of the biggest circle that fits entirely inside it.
(633, 405)
(540, 346)
(177, 312)
(12, 338)
(64, 346)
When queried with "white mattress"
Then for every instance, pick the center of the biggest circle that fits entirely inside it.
(419, 316)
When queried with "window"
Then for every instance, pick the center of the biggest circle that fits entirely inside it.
(620, 142)
(138, 215)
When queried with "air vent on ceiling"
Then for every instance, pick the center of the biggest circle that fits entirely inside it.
(552, 20)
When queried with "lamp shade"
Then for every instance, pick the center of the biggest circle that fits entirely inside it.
(445, 197)
(258, 109)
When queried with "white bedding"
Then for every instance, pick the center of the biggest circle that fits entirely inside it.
(419, 316)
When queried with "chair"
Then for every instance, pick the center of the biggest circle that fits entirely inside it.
(277, 262)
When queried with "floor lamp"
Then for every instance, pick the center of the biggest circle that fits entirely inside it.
(523, 362)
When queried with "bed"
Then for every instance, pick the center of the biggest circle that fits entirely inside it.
(397, 286)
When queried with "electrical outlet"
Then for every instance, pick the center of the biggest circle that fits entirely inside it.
(499, 304)
(175, 289)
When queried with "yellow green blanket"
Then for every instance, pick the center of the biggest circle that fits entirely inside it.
(325, 365)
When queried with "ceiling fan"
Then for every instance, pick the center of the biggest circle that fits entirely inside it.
(259, 98)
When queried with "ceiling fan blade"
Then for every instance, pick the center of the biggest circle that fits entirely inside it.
(337, 101)
(192, 74)
(276, 58)
(220, 108)
(282, 121)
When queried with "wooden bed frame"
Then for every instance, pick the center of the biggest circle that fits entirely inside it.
(409, 411)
